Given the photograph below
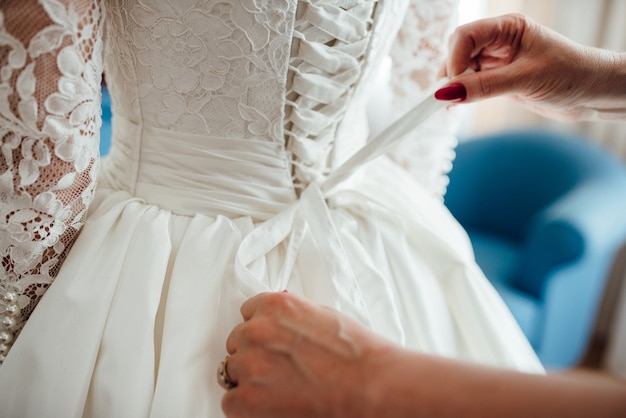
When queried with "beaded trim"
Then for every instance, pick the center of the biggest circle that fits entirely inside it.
(8, 323)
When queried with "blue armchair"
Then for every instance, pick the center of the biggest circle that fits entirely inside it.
(546, 214)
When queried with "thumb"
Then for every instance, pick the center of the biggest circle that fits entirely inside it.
(254, 304)
(481, 85)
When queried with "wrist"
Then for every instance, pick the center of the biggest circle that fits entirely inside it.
(610, 102)
(610, 75)
(383, 389)
(597, 83)
(400, 385)
(617, 75)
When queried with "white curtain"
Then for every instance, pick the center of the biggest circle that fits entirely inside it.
(600, 23)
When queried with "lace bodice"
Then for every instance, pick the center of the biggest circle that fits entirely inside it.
(294, 73)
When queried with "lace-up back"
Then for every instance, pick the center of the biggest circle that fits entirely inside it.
(328, 53)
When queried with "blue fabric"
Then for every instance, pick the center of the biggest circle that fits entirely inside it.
(546, 213)
(105, 129)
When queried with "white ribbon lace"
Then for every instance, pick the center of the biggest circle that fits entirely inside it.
(331, 39)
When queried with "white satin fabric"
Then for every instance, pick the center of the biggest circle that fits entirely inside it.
(144, 327)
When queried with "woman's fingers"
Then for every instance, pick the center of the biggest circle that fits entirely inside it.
(486, 43)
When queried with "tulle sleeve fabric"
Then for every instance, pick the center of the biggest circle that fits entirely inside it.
(50, 74)
(417, 54)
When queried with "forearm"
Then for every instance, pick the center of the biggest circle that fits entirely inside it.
(422, 386)
(570, 81)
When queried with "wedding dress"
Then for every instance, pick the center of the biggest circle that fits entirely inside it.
(122, 277)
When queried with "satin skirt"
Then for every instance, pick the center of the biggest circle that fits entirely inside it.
(136, 322)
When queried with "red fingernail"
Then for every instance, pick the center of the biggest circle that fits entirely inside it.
(285, 291)
(456, 92)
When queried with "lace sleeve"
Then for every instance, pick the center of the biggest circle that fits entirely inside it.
(50, 72)
(417, 54)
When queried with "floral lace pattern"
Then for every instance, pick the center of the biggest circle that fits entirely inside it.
(50, 74)
(208, 67)
(417, 54)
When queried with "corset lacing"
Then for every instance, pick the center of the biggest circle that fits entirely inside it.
(330, 39)
(324, 68)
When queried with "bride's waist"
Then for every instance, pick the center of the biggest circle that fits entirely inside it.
(190, 173)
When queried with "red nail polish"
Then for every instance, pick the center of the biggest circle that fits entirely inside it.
(285, 291)
(452, 92)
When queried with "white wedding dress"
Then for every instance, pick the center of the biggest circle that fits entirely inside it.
(229, 119)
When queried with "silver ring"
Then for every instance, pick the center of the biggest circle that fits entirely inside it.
(222, 375)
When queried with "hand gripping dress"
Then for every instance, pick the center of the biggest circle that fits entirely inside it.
(233, 122)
